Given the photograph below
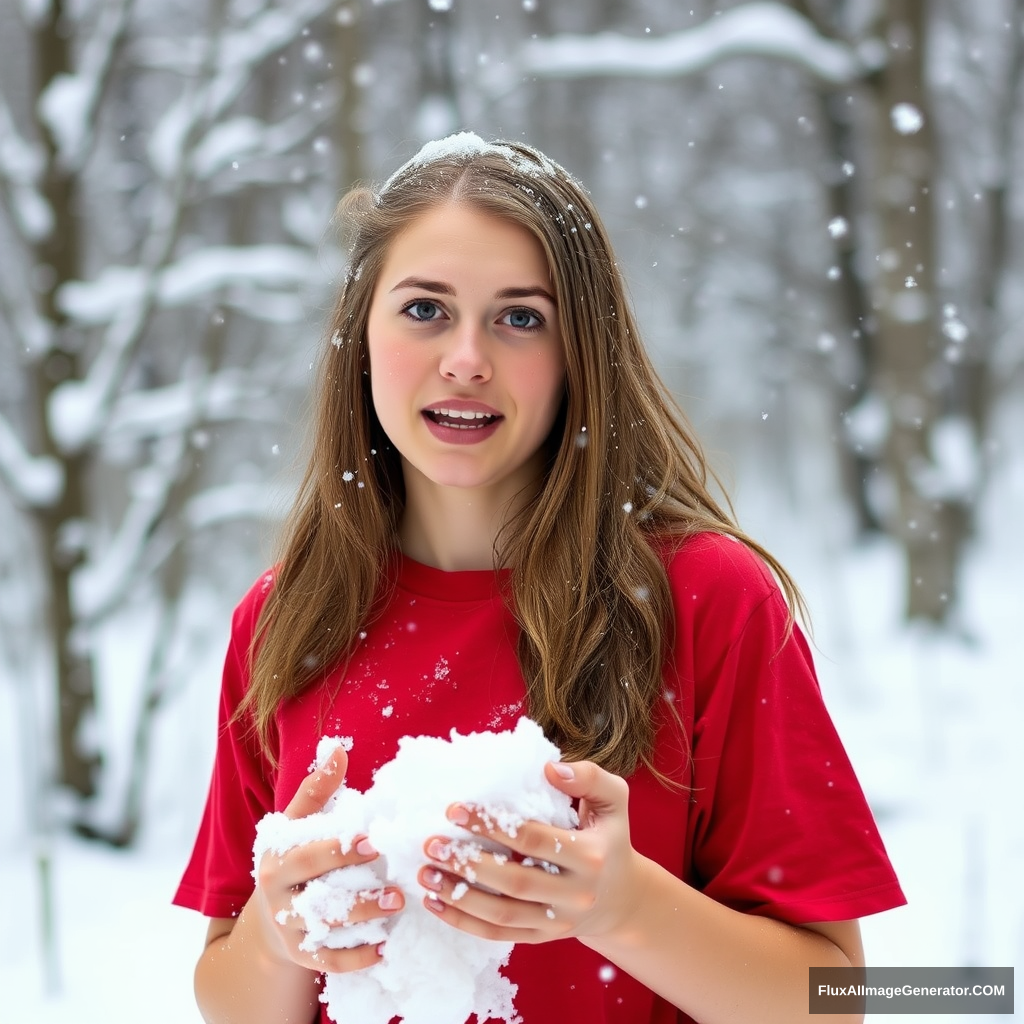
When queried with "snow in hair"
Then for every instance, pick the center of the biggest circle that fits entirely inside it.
(465, 145)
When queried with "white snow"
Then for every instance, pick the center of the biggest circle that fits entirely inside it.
(429, 973)
(63, 107)
(955, 470)
(867, 424)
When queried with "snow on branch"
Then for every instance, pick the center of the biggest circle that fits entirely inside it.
(193, 276)
(69, 103)
(35, 480)
(754, 29)
(230, 502)
(31, 330)
(238, 51)
(250, 138)
(181, 406)
(104, 582)
(21, 166)
(124, 297)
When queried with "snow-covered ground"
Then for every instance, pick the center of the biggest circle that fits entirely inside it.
(931, 724)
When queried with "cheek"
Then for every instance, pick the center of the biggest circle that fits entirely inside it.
(397, 380)
(551, 378)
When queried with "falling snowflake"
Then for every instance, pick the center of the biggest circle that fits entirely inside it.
(906, 118)
(838, 227)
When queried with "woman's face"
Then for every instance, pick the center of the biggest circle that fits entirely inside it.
(466, 362)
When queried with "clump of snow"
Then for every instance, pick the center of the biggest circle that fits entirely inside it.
(429, 972)
(37, 480)
(464, 145)
(63, 106)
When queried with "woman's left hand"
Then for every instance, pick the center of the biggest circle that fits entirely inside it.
(558, 883)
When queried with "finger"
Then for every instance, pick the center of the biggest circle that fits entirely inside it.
(298, 865)
(488, 915)
(319, 786)
(544, 844)
(370, 906)
(600, 793)
(504, 879)
(341, 961)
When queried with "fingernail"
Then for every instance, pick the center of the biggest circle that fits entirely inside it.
(563, 769)
(365, 848)
(458, 814)
(437, 849)
(434, 904)
(432, 879)
(389, 900)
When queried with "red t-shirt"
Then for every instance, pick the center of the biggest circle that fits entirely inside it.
(769, 818)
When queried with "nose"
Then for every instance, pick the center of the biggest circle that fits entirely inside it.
(465, 359)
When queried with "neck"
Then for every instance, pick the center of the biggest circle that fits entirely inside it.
(454, 528)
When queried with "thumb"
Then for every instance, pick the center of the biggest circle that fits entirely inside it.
(600, 793)
(319, 786)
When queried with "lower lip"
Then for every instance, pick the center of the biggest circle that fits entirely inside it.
(461, 435)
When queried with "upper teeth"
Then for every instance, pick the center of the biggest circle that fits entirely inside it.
(465, 414)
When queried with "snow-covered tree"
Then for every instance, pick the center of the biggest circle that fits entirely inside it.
(912, 106)
(166, 179)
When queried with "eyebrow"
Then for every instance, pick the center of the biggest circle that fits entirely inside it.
(443, 288)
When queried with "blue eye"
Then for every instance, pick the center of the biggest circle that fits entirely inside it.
(523, 320)
(423, 310)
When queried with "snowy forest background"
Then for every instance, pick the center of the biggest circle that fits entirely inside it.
(819, 210)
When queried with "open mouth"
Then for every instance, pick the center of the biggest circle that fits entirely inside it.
(460, 419)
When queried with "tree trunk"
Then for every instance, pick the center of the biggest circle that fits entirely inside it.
(910, 376)
(61, 525)
(852, 299)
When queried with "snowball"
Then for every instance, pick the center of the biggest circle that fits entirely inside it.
(429, 973)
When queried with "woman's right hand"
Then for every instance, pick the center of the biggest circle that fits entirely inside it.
(281, 876)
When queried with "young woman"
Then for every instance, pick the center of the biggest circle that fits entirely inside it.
(504, 514)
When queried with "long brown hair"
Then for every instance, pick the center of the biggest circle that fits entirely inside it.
(625, 477)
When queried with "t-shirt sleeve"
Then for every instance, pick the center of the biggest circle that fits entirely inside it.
(780, 826)
(218, 879)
